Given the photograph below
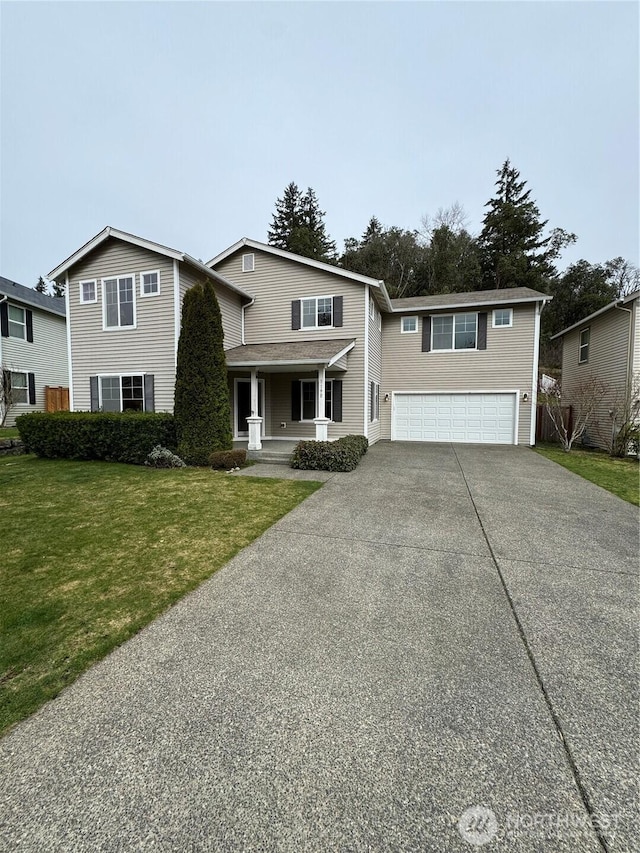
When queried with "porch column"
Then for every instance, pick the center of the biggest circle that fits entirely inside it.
(254, 421)
(322, 433)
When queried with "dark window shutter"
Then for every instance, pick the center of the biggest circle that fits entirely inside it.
(295, 314)
(337, 400)
(426, 334)
(32, 388)
(337, 311)
(295, 400)
(482, 330)
(29, 315)
(149, 402)
(372, 401)
(95, 400)
(4, 320)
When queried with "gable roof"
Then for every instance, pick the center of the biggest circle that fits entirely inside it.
(246, 242)
(29, 296)
(589, 317)
(57, 273)
(472, 299)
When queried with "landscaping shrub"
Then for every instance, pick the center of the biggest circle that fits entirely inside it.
(162, 457)
(341, 455)
(113, 437)
(227, 459)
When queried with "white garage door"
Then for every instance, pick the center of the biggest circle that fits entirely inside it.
(482, 418)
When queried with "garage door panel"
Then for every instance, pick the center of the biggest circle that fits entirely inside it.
(470, 418)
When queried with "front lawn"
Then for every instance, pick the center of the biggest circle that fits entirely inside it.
(93, 551)
(620, 476)
(9, 432)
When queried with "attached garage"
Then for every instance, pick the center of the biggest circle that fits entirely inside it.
(473, 417)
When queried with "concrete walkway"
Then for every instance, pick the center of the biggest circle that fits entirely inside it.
(445, 628)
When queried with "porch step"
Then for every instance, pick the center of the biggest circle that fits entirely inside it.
(271, 457)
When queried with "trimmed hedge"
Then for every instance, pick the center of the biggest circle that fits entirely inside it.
(227, 459)
(113, 437)
(341, 455)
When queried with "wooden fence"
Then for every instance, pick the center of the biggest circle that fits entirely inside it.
(545, 429)
(56, 399)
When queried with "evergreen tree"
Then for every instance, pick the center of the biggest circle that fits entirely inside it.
(58, 289)
(202, 408)
(391, 254)
(41, 286)
(453, 263)
(514, 250)
(298, 226)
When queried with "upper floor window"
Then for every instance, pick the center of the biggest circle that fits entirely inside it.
(149, 283)
(317, 312)
(248, 262)
(119, 305)
(408, 324)
(585, 336)
(502, 317)
(88, 291)
(454, 331)
(17, 322)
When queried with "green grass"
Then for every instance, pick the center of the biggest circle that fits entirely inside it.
(92, 551)
(620, 476)
(9, 432)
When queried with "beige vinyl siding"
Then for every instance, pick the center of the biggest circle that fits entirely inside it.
(506, 364)
(608, 360)
(147, 348)
(636, 337)
(375, 373)
(275, 283)
(230, 305)
(45, 357)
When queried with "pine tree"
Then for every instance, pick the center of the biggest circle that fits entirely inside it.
(41, 286)
(298, 226)
(58, 289)
(202, 409)
(514, 251)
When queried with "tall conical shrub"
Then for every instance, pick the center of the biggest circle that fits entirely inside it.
(202, 409)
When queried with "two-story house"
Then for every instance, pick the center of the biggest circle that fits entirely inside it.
(312, 350)
(33, 346)
(606, 346)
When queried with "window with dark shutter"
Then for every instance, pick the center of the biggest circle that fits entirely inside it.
(32, 389)
(295, 399)
(337, 311)
(295, 314)
(4, 320)
(372, 401)
(29, 325)
(93, 391)
(337, 400)
(149, 401)
(482, 330)
(426, 334)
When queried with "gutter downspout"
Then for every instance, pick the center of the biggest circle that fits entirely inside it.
(534, 375)
(248, 305)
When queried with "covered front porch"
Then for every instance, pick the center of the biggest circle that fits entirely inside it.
(285, 392)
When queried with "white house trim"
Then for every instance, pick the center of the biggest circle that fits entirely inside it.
(176, 307)
(534, 375)
(365, 431)
(67, 297)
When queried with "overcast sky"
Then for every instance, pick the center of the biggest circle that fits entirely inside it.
(182, 122)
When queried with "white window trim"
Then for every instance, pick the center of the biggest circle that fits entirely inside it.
(580, 346)
(81, 284)
(246, 262)
(119, 376)
(376, 402)
(22, 322)
(453, 333)
(404, 331)
(24, 387)
(315, 383)
(495, 325)
(304, 299)
(155, 292)
(118, 328)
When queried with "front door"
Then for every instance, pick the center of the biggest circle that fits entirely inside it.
(243, 404)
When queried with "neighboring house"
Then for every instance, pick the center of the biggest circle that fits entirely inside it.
(312, 350)
(605, 345)
(33, 346)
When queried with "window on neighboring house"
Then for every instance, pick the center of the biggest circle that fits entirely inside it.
(317, 312)
(454, 331)
(374, 402)
(248, 262)
(122, 393)
(308, 399)
(88, 291)
(502, 317)
(19, 387)
(585, 336)
(408, 324)
(149, 283)
(17, 322)
(119, 306)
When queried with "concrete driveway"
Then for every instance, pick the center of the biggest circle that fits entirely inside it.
(449, 631)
